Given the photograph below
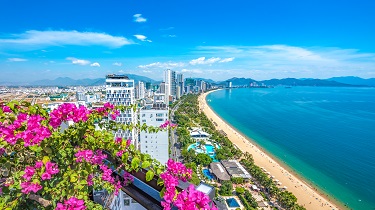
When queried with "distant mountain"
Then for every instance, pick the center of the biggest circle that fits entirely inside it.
(66, 81)
(203, 79)
(354, 80)
(303, 82)
(239, 81)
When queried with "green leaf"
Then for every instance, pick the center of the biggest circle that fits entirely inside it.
(45, 159)
(73, 177)
(162, 192)
(160, 182)
(149, 175)
(135, 163)
(158, 171)
(146, 164)
(47, 150)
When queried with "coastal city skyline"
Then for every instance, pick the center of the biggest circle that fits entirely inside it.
(242, 39)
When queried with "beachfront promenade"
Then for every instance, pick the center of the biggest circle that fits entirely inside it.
(306, 195)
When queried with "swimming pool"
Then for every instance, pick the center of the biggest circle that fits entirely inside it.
(209, 149)
(232, 203)
(208, 174)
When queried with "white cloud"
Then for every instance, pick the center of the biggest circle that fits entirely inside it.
(195, 71)
(78, 61)
(16, 59)
(226, 60)
(280, 61)
(41, 39)
(121, 71)
(203, 60)
(117, 64)
(162, 65)
(147, 71)
(139, 19)
(141, 37)
(96, 64)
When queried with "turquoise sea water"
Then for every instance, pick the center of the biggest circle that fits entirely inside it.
(325, 134)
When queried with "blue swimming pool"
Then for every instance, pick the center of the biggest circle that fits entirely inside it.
(232, 203)
(208, 174)
(209, 149)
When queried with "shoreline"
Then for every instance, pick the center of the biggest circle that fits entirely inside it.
(308, 195)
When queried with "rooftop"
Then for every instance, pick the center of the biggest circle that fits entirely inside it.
(117, 76)
(219, 171)
(235, 169)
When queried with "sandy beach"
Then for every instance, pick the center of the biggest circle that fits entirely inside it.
(307, 196)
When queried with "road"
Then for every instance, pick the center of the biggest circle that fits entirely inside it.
(175, 146)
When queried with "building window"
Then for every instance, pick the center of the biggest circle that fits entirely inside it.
(159, 119)
(126, 202)
(143, 115)
(159, 115)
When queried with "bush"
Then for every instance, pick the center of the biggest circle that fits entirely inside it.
(226, 188)
(240, 190)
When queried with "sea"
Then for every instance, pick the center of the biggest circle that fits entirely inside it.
(324, 134)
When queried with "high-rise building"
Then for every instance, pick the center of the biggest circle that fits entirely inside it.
(120, 91)
(155, 144)
(173, 83)
(141, 90)
(162, 88)
(178, 92)
(148, 85)
(180, 83)
(167, 83)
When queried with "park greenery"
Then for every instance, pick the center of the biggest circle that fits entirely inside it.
(247, 200)
(48, 164)
(226, 188)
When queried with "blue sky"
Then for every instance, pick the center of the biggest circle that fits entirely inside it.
(259, 39)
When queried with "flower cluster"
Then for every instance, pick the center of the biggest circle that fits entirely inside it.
(72, 203)
(128, 178)
(50, 169)
(89, 156)
(6, 109)
(28, 187)
(118, 140)
(168, 123)
(96, 158)
(188, 199)
(107, 109)
(32, 133)
(67, 112)
(106, 176)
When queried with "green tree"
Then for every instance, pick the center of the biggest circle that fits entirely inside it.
(237, 180)
(226, 188)
(240, 190)
(203, 159)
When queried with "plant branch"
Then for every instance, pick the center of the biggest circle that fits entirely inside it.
(45, 203)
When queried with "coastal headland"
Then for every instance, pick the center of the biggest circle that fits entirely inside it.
(308, 196)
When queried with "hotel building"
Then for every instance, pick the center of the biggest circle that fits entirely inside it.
(120, 91)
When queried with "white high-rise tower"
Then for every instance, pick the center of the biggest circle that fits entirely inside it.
(141, 90)
(120, 91)
(167, 81)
